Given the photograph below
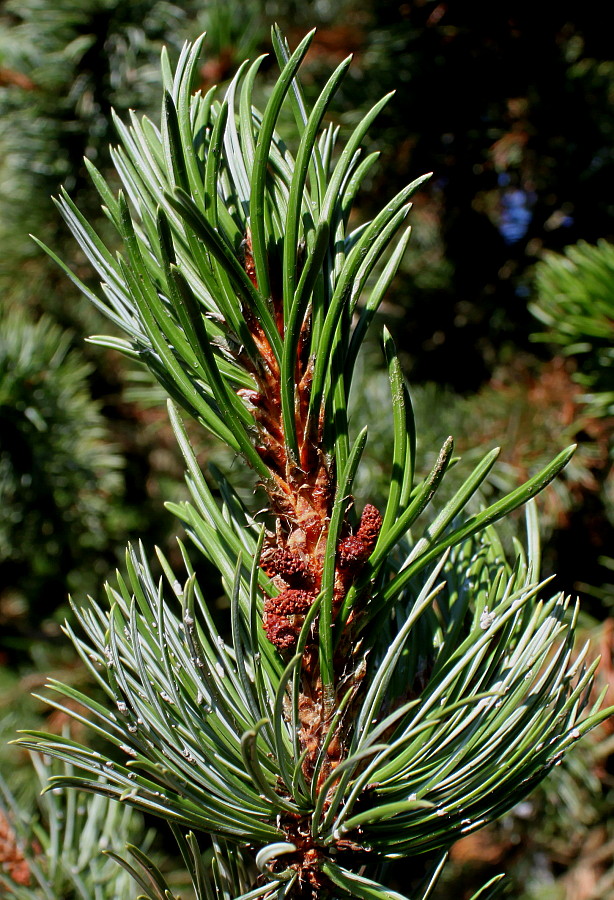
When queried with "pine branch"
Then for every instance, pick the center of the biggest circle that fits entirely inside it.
(384, 690)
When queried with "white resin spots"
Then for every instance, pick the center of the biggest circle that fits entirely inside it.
(486, 619)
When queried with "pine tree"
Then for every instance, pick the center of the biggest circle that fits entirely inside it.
(60, 476)
(385, 686)
(575, 301)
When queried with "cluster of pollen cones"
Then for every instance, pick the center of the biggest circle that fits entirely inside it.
(299, 575)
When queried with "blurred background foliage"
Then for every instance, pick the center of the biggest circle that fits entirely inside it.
(503, 310)
(60, 476)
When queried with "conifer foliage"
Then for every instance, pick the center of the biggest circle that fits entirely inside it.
(574, 302)
(384, 687)
(60, 478)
